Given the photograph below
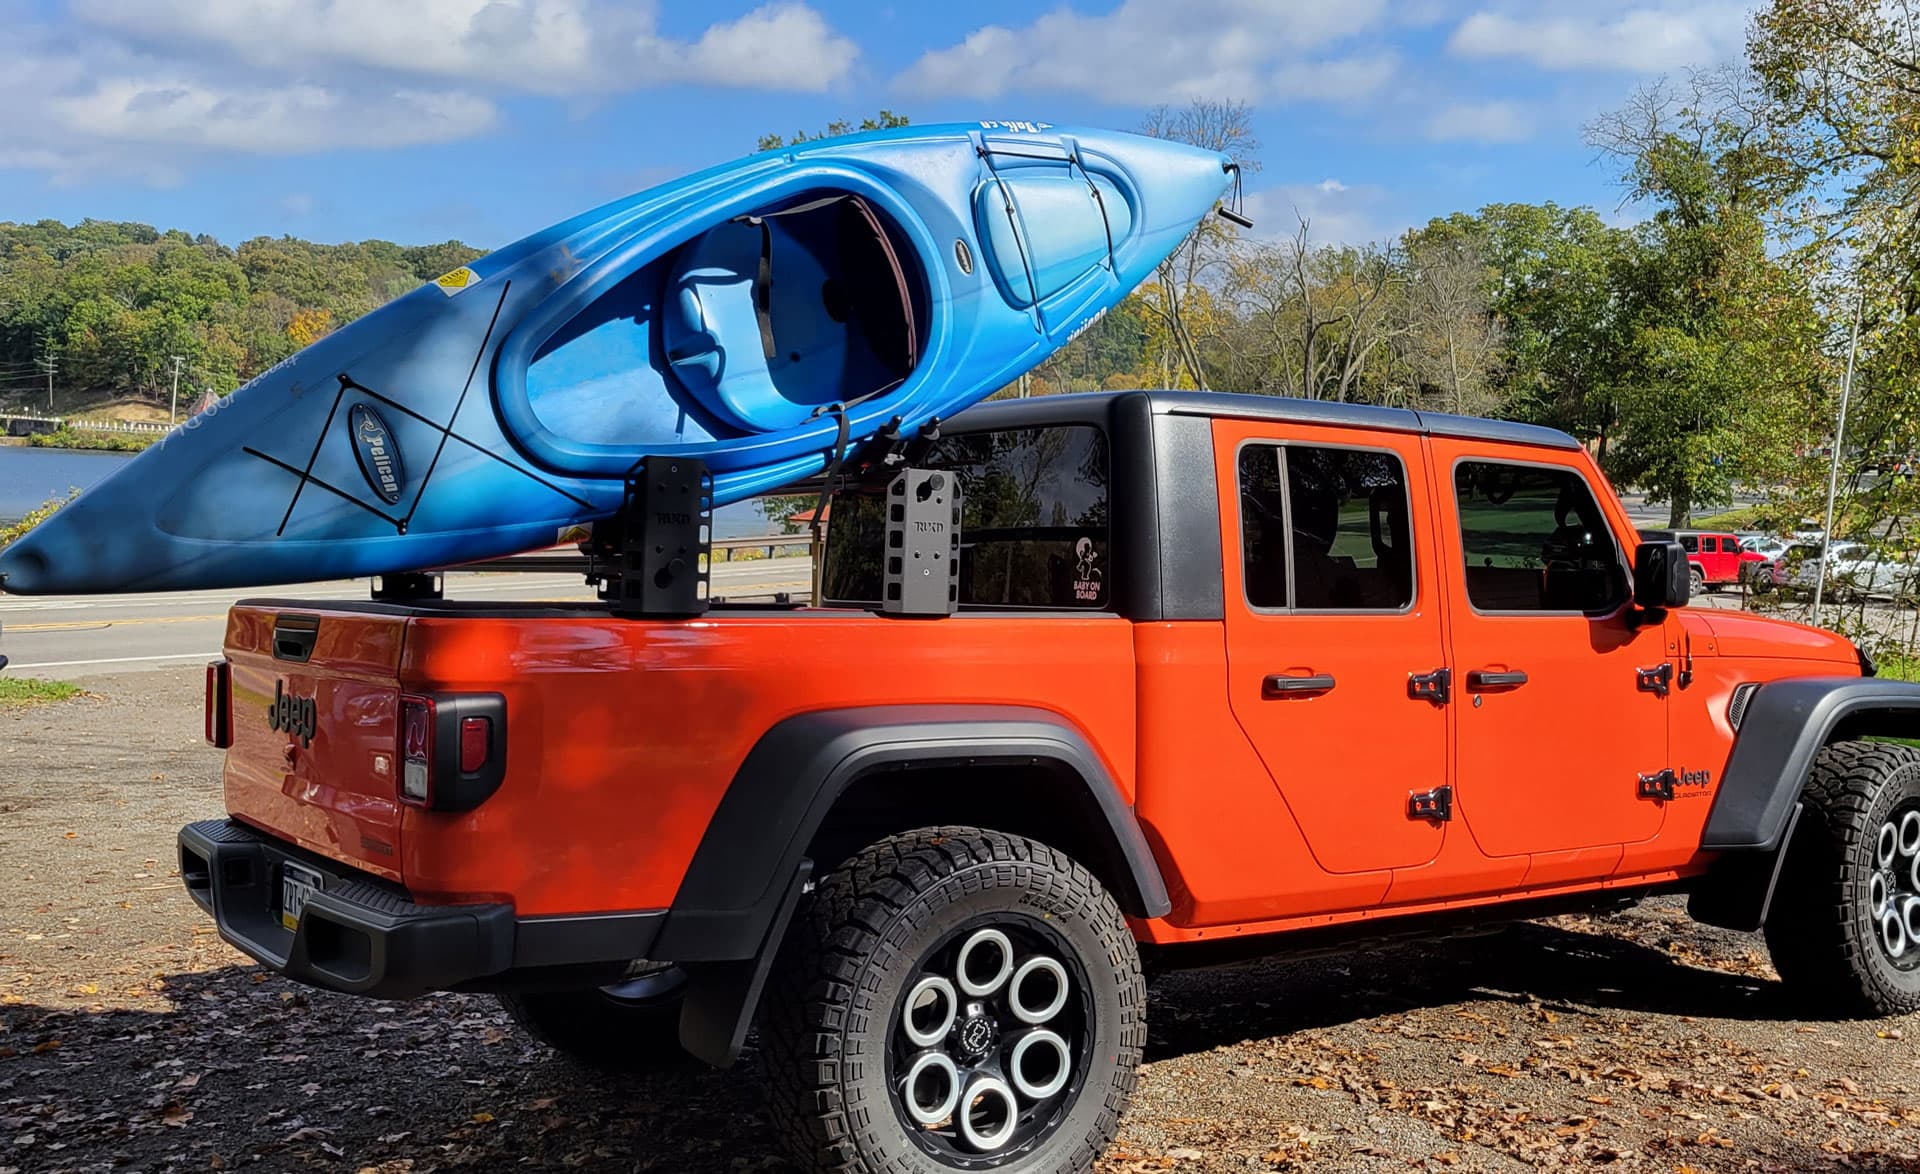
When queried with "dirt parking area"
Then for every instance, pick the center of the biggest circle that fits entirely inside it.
(132, 1039)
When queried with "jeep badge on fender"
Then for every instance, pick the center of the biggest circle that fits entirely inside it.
(296, 715)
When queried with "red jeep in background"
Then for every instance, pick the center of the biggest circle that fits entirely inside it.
(1203, 669)
(1714, 557)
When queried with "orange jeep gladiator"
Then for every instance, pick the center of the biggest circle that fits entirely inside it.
(1205, 673)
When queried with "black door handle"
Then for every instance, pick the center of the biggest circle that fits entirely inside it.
(1483, 679)
(1282, 686)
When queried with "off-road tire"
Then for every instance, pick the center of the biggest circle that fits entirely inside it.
(1820, 929)
(600, 1031)
(839, 985)
(1696, 581)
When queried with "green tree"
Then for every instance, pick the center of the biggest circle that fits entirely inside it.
(1716, 331)
(885, 120)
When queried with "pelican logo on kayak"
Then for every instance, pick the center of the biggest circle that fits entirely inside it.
(1016, 126)
(379, 457)
(296, 715)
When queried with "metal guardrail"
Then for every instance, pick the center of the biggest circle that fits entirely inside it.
(19, 425)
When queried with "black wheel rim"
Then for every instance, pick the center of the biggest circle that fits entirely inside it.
(1893, 886)
(987, 1079)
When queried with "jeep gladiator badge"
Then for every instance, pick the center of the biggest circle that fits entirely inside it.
(296, 715)
(379, 457)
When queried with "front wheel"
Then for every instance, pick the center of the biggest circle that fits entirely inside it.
(955, 999)
(1844, 929)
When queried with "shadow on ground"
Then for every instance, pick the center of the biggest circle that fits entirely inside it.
(241, 1066)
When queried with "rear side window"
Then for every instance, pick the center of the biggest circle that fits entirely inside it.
(1033, 522)
(1324, 529)
(1710, 545)
(1534, 539)
(1690, 543)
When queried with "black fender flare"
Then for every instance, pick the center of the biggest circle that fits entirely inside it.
(792, 777)
(747, 875)
(1783, 728)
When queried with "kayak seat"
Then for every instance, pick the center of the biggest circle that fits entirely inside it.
(768, 319)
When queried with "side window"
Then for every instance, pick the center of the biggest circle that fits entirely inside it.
(1535, 540)
(1033, 522)
(1709, 546)
(1337, 539)
(1263, 526)
(1690, 543)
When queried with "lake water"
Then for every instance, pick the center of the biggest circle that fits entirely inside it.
(30, 476)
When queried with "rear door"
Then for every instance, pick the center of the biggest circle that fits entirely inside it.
(1332, 605)
(1554, 728)
(1721, 554)
(314, 702)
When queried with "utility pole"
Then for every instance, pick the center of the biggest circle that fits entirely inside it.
(173, 411)
(47, 361)
(1833, 471)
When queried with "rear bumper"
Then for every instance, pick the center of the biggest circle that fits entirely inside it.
(367, 937)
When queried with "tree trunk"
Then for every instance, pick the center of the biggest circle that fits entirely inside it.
(1453, 370)
(1681, 506)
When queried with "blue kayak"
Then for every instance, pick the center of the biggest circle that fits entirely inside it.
(744, 315)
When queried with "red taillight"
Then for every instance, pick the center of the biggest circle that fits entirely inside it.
(476, 743)
(416, 750)
(220, 703)
(453, 749)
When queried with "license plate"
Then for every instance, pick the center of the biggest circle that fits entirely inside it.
(297, 883)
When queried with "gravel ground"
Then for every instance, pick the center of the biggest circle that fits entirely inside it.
(132, 1039)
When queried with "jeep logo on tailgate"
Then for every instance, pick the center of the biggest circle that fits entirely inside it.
(296, 715)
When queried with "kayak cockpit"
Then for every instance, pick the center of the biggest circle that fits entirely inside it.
(753, 326)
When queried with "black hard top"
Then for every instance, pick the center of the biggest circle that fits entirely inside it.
(1091, 406)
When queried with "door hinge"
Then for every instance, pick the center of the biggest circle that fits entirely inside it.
(1658, 785)
(1436, 804)
(1655, 680)
(1436, 686)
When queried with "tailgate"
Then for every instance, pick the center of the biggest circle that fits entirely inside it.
(316, 695)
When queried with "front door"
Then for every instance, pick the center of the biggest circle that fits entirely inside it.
(1554, 728)
(1332, 604)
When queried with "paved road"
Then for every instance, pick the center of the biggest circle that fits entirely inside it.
(76, 636)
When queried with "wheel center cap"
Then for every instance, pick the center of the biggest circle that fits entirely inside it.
(977, 1035)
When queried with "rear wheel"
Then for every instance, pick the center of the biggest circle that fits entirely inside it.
(955, 999)
(1697, 580)
(1844, 929)
(632, 1026)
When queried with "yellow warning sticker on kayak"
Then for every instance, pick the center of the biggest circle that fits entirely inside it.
(574, 533)
(452, 283)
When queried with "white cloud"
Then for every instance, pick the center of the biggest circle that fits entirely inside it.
(1336, 213)
(1480, 122)
(146, 88)
(1641, 39)
(1341, 79)
(79, 110)
(1147, 51)
(283, 120)
(544, 46)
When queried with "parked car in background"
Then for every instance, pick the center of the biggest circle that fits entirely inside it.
(1759, 573)
(1855, 570)
(1715, 556)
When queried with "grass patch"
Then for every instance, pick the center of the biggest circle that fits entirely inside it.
(83, 438)
(16, 691)
(1749, 518)
(1898, 666)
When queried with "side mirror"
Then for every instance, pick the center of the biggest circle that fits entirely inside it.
(1661, 577)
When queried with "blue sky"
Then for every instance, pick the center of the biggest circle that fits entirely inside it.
(419, 120)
